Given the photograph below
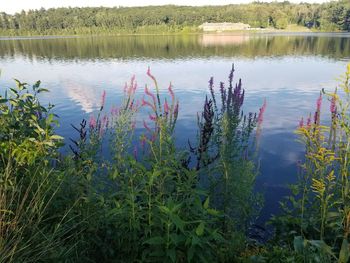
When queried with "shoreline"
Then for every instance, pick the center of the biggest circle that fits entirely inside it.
(240, 32)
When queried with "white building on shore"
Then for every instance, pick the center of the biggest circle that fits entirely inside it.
(219, 27)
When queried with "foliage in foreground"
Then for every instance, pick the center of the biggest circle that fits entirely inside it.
(148, 201)
(315, 223)
(152, 202)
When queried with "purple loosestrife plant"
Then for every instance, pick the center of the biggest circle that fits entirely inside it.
(87, 149)
(154, 199)
(224, 155)
(163, 117)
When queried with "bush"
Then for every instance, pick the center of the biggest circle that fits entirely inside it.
(141, 199)
(315, 222)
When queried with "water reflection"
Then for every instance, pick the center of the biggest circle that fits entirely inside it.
(207, 40)
(83, 95)
(170, 47)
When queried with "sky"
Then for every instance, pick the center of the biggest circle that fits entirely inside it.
(14, 6)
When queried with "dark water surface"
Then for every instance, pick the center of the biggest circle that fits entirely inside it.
(289, 70)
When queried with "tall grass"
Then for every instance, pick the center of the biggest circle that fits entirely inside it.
(30, 230)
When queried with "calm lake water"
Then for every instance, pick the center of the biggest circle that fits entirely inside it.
(289, 70)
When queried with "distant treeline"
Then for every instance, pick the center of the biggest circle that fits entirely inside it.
(332, 16)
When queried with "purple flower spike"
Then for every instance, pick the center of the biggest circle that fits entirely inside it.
(152, 117)
(150, 94)
(92, 122)
(301, 123)
(171, 93)
(230, 76)
(176, 110)
(308, 122)
(150, 75)
(166, 107)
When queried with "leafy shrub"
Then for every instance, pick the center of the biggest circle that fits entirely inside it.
(140, 199)
(316, 217)
(30, 229)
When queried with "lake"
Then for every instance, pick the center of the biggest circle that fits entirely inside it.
(288, 70)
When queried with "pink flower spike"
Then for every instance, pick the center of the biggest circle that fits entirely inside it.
(103, 99)
(308, 123)
(92, 122)
(166, 107)
(152, 117)
(171, 93)
(148, 93)
(319, 103)
(146, 103)
(133, 125)
(150, 75)
(114, 110)
(301, 122)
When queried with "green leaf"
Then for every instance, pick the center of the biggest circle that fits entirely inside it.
(206, 203)
(200, 229)
(195, 240)
(344, 253)
(164, 209)
(14, 91)
(298, 244)
(320, 244)
(27, 95)
(213, 212)
(179, 223)
(333, 215)
(36, 85)
(42, 90)
(56, 137)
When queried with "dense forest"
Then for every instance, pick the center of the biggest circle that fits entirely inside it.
(332, 16)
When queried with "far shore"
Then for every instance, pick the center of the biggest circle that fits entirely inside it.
(222, 33)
